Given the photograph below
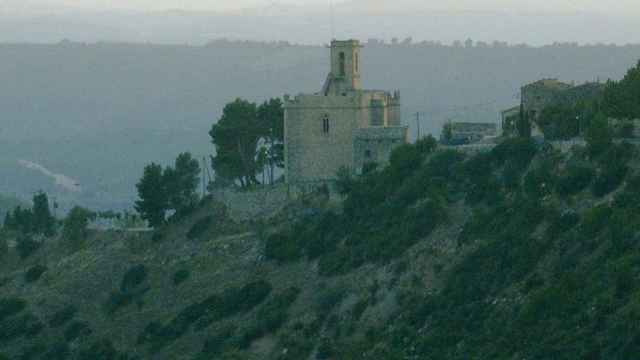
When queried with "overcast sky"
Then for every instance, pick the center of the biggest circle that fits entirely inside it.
(604, 6)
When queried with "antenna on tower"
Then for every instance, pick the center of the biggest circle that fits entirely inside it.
(333, 20)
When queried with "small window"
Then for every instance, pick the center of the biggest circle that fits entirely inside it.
(342, 65)
(367, 154)
(325, 124)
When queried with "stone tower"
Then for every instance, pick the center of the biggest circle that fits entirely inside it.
(341, 127)
(344, 76)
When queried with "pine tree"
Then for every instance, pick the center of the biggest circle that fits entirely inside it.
(43, 221)
(152, 192)
(181, 183)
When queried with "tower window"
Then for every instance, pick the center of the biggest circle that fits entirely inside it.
(357, 63)
(325, 124)
(367, 154)
(341, 64)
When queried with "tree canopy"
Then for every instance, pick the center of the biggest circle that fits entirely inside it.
(248, 138)
(152, 192)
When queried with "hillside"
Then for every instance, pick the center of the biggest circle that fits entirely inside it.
(523, 252)
(98, 112)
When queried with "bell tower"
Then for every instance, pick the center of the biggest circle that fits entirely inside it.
(345, 67)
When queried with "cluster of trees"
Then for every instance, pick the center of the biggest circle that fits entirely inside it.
(37, 220)
(249, 141)
(620, 100)
(172, 188)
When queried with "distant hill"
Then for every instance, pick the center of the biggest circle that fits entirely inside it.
(98, 113)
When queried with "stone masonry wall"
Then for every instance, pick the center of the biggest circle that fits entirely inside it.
(260, 203)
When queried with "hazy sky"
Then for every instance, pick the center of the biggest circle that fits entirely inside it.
(605, 6)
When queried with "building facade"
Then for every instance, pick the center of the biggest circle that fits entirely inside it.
(342, 126)
(539, 95)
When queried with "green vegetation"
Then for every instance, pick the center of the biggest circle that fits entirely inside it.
(26, 246)
(75, 225)
(34, 273)
(133, 278)
(237, 135)
(62, 316)
(622, 98)
(200, 227)
(181, 276)
(37, 220)
(384, 214)
(173, 188)
(217, 307)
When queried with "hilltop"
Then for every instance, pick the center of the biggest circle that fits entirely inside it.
(524, 251)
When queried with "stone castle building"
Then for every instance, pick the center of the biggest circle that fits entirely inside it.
(343, 125)
(537, 96)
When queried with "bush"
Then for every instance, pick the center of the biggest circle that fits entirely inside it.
(11, 306)
(609, 179)
(100, 350)
(595, 220)
(200, 227)
(135, 276)
(181, 276)
(214, 308)
(15, 327)
(27, 246)
(576, 180)
(117, 300)
(283, 248)
(271, 316)
(57, 351)
(217, 343)
(62, 316)
(77, 329)
(34, 273)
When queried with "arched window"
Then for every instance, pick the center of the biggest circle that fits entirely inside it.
(342, 64)
(325, 124)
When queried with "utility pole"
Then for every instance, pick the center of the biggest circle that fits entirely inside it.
(418, 124)
(204, 165)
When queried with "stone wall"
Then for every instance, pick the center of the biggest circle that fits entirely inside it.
(260, 203)
(376, 144)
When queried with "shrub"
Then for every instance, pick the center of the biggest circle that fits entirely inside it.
(57, 351)
(75, 227)
(11, 306)
(248, 297)
(576, 180)
(217, 343)
(77, 329)
(62, 316)
(24, 325)
(271, 316)
(135, 276)
(181, 276)
(595, 220)
(200, 227)
(117, 300)
(518, 150)
(283, 247)
(99, 350)
(609, 179)
(34, 273)
(27, 246)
